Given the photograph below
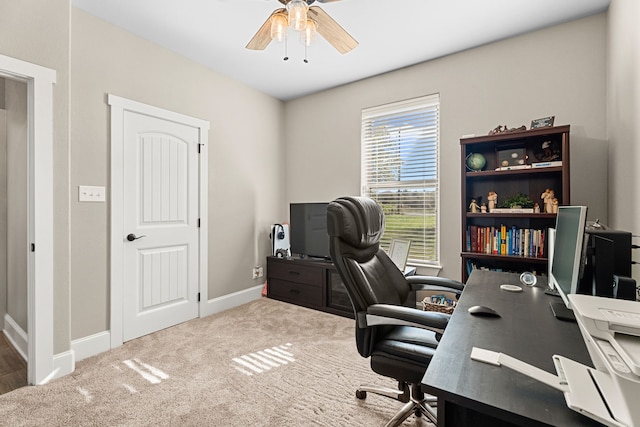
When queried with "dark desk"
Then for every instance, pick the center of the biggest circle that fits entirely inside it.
(472, 393)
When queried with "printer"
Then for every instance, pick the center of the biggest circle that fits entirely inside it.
(609, 393)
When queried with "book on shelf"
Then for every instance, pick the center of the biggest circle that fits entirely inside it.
(514, 167)
(551, 164)
(511, 210)
(502, 240)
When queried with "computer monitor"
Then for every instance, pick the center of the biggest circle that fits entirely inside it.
(567, 251)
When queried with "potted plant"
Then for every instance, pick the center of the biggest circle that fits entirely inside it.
(517, 201)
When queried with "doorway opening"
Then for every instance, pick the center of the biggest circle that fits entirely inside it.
(13, 233)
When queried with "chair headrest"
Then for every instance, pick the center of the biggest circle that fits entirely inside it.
(356, 220)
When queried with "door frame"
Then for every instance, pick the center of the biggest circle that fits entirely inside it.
(118, 108)
(40, 81)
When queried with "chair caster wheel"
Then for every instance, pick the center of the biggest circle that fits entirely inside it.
(417, 413)
(361, 394)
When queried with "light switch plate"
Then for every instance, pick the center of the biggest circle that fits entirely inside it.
(88, 193)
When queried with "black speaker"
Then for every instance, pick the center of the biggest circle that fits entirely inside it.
(624, 288)
(280, 232)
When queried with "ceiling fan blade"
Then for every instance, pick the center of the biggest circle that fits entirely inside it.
(327, 1)
(332, 31)
(263, 37)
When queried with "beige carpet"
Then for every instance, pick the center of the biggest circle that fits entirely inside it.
(266, 363)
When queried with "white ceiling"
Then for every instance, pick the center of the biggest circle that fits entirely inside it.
(392, 34)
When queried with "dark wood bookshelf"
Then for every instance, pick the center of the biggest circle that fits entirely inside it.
(506, 183)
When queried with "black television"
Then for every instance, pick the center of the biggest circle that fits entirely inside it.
(308, 230)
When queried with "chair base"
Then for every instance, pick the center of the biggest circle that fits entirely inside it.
(415, 401)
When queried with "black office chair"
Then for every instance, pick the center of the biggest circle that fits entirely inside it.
(399, 339)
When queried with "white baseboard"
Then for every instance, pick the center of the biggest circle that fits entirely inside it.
(16, 336)
(91, 345)
(82, 348)
(63, 364)
(225, 302)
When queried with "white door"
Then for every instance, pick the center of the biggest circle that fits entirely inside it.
(160, 201)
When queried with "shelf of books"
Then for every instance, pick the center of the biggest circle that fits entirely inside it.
(503, 240)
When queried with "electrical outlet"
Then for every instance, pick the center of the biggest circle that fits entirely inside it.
(258, 272)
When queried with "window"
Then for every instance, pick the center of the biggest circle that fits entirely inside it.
(400, 171)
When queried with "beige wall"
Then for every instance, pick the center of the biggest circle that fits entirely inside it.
(557, 71)
(245, 170)
(38, 32)
(623, 114)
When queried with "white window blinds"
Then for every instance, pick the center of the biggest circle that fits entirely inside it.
(400, 171)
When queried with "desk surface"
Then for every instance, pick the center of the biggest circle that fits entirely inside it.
(527, 331)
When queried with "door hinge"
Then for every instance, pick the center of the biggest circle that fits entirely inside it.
(33, 247)
(199, 148)
(198, 296)
(198, 222)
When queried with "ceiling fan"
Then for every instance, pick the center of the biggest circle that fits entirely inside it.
(312, 20)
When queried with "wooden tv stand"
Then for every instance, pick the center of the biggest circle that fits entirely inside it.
(309, 282)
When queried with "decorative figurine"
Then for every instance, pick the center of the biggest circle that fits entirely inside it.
(547, 198)
(546, 201)
(493, 200)
(554, 205)
(523, 127)
(536, 208)
(474, 206)
(501, 129)
(497, 129)
(483, 208)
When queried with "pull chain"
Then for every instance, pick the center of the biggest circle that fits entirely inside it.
(286, 57)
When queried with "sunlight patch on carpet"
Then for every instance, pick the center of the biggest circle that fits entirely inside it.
(130, 388)
(86, 394)
(151, 374)
(263, 360)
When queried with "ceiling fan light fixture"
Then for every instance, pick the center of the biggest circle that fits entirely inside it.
(309, 33)
(297, 10)
(279, 24)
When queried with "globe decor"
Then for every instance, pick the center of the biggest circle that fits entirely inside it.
(475, 162)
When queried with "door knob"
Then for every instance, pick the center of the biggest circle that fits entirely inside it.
(131, 237)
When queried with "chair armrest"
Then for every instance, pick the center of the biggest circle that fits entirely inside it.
(385, 314)
(418, 283)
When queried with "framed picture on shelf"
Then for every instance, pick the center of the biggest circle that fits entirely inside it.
(547, 151)
(544, 122)
(399, 252)
(513, 157)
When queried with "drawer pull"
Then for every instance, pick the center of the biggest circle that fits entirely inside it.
(294, 273)
(294, 291)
